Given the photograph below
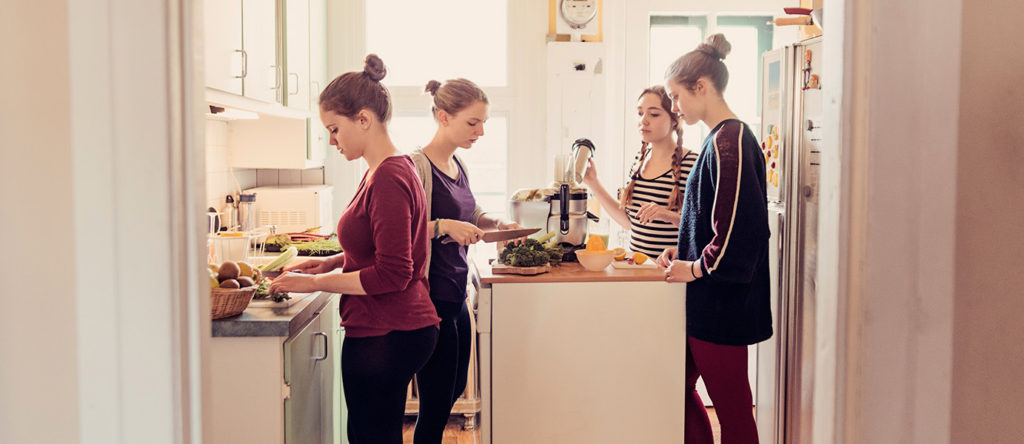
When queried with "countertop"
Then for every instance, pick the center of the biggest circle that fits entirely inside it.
(574, 272)
(267, 321)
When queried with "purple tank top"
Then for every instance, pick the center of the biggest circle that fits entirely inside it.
(450, 199)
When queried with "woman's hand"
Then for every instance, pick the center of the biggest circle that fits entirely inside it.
(651, 211)
(666, 257)
(292, 282)
(509, 226)
(317, 266)
(464, 233)
(680, 271)
(590, 176)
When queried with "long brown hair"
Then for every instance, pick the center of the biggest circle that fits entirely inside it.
(454, 95)
(705, 61)
(675, 198)
(353, 91)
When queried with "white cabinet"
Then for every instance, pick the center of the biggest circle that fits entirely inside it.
(317, 77)
(259, 41)
(240, 47)
(271, 387)
(223, 45)
(296, 44)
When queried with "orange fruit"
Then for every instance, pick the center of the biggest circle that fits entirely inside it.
(595, 243)
(639, 258)
(620, 254)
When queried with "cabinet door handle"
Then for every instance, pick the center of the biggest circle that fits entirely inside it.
(245, 63)
(326, 342)
(296, 83)
(277, 76)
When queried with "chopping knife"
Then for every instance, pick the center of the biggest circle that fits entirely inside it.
(498, 235)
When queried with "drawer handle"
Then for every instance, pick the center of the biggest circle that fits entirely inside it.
(320, 333)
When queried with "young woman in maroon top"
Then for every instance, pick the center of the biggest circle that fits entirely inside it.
(391, 326)
(460, 109)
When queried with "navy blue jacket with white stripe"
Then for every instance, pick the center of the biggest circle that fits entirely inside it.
(724, 227)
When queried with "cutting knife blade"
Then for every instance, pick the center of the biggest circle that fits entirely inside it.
(499, 235)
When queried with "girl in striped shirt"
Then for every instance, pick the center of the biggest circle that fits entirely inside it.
(649, 205)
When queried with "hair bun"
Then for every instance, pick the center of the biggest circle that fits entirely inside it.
(432, 87)
(716, 46)
(374, 68)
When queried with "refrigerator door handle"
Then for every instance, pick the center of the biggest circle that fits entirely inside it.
(781, 215)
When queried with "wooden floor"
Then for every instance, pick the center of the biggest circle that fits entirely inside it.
(454, 434)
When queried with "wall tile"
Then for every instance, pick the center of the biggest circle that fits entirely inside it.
(289, 177)
(266, 178)
(313, 176)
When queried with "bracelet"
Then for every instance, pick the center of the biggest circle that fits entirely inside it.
(691, 270)
(437, 228)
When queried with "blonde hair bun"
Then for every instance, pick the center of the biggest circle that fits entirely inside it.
(432, 87)
(374, 68)
(716, 46)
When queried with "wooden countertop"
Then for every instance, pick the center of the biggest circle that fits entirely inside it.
(574, 272)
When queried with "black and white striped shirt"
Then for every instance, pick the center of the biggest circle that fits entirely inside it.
(654, 237)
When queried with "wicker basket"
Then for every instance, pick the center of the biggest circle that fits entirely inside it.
(225, 302)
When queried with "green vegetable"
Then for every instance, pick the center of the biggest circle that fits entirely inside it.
(530, 253)
(281, 260)
(263, 292)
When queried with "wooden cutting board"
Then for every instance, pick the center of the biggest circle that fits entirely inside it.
(499, 268)
(626, 265)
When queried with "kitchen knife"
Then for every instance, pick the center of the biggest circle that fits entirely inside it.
(498, 235)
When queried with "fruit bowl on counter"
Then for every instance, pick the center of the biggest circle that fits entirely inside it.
(595, 260)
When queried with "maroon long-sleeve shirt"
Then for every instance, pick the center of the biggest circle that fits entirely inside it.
(384, 235)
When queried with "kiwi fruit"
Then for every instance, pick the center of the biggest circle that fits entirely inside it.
(229, 283)
(245, 281)
(228, 270)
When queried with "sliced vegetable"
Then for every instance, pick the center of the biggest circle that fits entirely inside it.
(281, 260)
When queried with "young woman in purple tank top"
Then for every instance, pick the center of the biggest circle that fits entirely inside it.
(460, 109)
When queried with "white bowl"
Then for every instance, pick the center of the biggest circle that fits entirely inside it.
(595, 260)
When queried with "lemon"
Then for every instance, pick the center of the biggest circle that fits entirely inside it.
(214, 283)
(214, 267)
(639, 258)
(244, 269)
(620, 254)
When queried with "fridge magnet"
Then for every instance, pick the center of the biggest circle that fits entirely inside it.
(813, 83)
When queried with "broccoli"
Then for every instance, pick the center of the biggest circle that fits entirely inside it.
(530, 253)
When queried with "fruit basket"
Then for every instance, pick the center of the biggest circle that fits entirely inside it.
(227, 302)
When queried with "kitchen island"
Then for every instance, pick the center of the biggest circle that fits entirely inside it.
(275, 375)
(581, 356)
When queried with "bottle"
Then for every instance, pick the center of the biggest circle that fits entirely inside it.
(230, 214)
(246, 212)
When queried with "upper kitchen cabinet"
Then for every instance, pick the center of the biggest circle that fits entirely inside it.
(297, 38)
(241, 48)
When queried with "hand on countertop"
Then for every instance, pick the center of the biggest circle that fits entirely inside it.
(666, 257)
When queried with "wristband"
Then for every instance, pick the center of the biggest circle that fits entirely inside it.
(691, 270)
(437, 228)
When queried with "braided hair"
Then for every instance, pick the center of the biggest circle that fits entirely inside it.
(675, 198)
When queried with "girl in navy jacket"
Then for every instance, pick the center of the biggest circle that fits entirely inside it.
(722, 252)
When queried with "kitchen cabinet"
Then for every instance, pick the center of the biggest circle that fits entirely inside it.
(241, 48)
(275, 374)
(297, 56)
(288, 134)
(582, 356)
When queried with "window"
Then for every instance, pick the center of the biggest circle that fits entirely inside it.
(487, 172)
(750, 36)
(440, 49)
(415, 60)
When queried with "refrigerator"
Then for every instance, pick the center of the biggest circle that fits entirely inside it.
(791, 135)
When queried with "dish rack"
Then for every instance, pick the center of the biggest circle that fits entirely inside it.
(238, 245)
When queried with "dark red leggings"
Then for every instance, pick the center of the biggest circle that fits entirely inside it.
(724, 369)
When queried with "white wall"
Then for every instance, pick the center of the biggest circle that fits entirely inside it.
(37, 377)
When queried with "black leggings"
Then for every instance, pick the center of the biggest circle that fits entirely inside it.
(375, 373)
(443, 379)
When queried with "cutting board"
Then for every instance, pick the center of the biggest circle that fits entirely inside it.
(627, 265)
(269, 303)
(498, 268)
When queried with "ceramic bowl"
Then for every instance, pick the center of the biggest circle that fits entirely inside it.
(595, 260)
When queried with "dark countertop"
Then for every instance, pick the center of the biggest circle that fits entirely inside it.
(282, 322)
